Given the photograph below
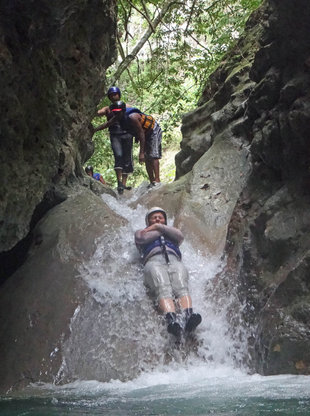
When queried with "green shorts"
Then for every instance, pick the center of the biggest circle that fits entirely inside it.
(163, 280)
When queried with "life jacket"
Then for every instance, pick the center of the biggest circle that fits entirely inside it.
(115, 128)
(147, 248)
(147, 121)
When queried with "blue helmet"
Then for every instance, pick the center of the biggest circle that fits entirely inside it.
(114, 90)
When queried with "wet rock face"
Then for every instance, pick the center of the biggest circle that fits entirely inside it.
(268, 261)
(275, 258)
(39, 302)
(259, 100)
(52, 64)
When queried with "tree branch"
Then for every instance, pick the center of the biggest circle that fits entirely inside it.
(200, 44)
(190, 16)
(145, 14)
(131, 56)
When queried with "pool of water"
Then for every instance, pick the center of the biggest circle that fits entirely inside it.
(188, 391)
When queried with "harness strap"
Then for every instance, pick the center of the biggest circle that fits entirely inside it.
(164, 249)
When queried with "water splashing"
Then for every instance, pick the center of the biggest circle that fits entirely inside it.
(117, 335)
(115, 276)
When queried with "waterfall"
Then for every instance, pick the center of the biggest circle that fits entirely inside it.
(119, 333)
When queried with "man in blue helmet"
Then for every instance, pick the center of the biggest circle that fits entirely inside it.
(164, 273)
(121, 143)
(146, 130)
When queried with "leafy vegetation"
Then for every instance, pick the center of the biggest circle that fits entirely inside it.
(167, 50)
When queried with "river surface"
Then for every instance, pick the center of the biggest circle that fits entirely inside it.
(210, 380)
(189, 391)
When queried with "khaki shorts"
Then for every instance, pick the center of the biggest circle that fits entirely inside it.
(163, 280)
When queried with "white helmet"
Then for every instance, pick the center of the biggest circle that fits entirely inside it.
(151, 211)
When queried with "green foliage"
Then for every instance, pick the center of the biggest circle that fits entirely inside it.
(169, 73)
(102, 159)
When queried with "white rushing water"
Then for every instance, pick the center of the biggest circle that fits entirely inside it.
(195, 390)
(209, 381)
(216, 342)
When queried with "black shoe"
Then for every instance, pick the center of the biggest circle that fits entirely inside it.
(120, 188)
(128, 188)
(193, 321)
(174, 328)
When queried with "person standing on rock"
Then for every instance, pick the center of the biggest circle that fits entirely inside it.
(165, 275)
(146, 131)
(121, 143)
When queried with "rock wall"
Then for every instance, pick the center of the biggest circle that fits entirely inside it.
(259, 100)
(38, 303)
(242, 193)
(52, 64)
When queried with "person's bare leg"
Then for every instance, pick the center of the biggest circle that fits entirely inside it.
(118, 175)
(150, 170)
(120, 188)
(166, 305)
(185, 302)
(124, 178)
(155, 168)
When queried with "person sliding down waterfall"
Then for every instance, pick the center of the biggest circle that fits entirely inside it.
(165, 275)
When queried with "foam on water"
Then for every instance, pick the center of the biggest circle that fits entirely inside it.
(222, 382)
(195, 390)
